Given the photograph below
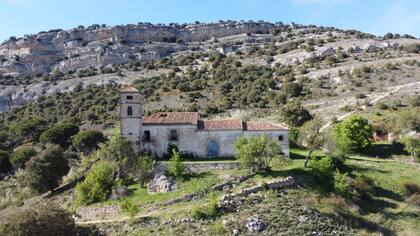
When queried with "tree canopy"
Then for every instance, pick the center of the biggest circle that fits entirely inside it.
(44, 172)
(60, 134)
(353, 134)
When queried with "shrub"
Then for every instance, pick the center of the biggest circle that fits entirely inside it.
(43, 219)
(206, 212)
(322, 167)
(21, 156)
(414, 200)
(176, 166)
(362, 187)
(43, 172)
(87, 141)
(411, 188)
(97, 185)
(128, 207)
(59, 134)
(341, 183)
(5, 165)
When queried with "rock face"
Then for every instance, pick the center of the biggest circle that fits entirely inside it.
(100, 45)
(161, 184)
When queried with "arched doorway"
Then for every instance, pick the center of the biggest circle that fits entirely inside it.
(212, 149)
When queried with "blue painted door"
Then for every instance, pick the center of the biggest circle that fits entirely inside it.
(212, 149)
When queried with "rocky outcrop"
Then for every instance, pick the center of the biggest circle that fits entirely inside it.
(254, 224)
(100, 45)
(161, 184)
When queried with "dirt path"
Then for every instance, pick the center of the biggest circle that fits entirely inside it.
(373, 102)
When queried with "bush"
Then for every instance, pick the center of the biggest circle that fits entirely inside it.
(322, 167)
(176, 166)
(97, 185)
(128, 207)
(44, 172)
(5, 165)
(87, 141)
(206, 212)
(21, 156)
(411, 188)
(414, 200)
(362, 187)
(59, 134)
(341, 183)
(43, 219)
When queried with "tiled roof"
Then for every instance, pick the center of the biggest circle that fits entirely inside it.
(263, 126)
(172, 118)
(221, 125)
(129, 89)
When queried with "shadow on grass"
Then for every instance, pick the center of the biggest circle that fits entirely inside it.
(385, 150)
(303, 177)
(361, 169)
(385, 193)
(358, 222)
(195, 175)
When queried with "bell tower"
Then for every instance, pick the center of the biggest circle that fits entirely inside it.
(131, 116)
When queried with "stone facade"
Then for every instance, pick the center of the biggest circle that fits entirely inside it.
(202, 138)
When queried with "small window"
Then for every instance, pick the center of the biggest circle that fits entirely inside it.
(130, 97)
(173, 135)
(146, 136)
(130, 133)
(129, 111)
(281, 138)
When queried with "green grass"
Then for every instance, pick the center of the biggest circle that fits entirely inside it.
(198, 182)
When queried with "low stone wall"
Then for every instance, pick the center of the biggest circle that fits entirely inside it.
(200, 166)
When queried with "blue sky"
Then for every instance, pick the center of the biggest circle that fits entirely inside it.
(19, 17)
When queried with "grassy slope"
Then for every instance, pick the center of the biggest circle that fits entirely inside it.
(387, 213)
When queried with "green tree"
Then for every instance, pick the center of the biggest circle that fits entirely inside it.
(29, 130)
(176, 166)
(21, 156)
(412, 145)
(145, 167)
(256, 153)
(5, 165)
(59, 134)
(98, 184)
(44, 171)
(41, 219)
(310, 137)
(118, 151)
(87, 141)
(353, 134)
(294, 114)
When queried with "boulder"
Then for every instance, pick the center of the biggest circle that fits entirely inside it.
(327, 52)
(254, 224)
(161, 184)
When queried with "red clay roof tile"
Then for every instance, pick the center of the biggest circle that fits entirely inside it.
(222, 125)
(172, 118)
(263, 126)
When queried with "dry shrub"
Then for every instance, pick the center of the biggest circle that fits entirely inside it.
(414, 200)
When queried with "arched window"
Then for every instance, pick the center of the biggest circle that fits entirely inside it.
(129, 111)
(212, 149)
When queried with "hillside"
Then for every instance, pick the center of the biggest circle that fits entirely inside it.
(65, 166)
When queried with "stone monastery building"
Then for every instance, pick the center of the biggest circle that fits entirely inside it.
(186, 130)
